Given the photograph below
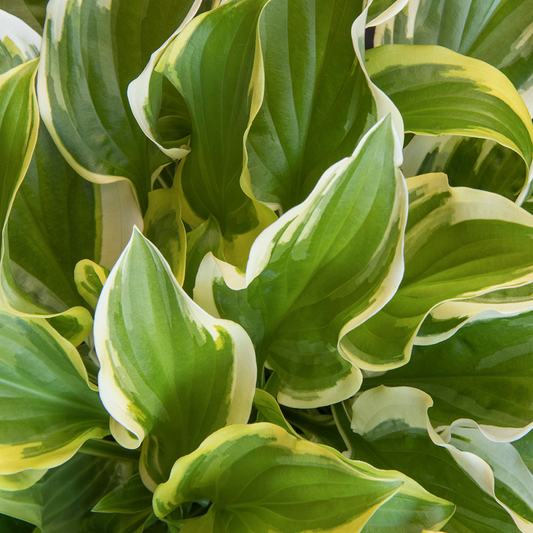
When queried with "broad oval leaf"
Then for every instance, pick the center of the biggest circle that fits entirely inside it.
(484, 372)
(170, 373)
(215, 63)
(459, 243)
(48, 410)
(324, 267)
(91, 121)
(261, 479)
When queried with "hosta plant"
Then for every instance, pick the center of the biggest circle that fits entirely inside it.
(266, 266)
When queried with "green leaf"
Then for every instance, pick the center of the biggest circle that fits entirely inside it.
(62, 500)
(32, 12)
(18, 42)
(525, 449)
(200, 241)
(11, 525)
(412, 508)
(308, 280)
(90, 279)
(21, 480)
(129, 498)
(217, 68)
(513, 481)
(170, 373)
(164, 228)
(270, 411)
(459, 243)
(91, 121)
(455, 95)
(393, 425)
(48, 410)
(261, 479)
(382, 10)
(484, 372)
(318, 103)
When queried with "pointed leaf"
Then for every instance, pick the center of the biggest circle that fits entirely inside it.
(129, 498)
(91, 121)
(48, 410)
(215, 63)
(244, 471)
(460, 243)
(309, 280)
(170, 373)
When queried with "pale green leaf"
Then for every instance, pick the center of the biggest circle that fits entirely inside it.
(164, 228)
(215, 63)
(129, 498)
(261, 479)
(268, 410)
(91, 121)
(47, 408)
(90, 279)
(21, 480)
(459, 243)
(484, 372)
(170, 373)
(324, 267)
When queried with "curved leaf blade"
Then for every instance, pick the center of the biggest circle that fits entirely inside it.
(158, 350)
(460, 243)
(278, 495)
(48, 409)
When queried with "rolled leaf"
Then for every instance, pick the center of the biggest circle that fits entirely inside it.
(484, 372)
(48, 410)
(261, 479)
(90, 279)
(170, 373)
(215, 63)
(91, 121)
(308, 280)
(460, 243)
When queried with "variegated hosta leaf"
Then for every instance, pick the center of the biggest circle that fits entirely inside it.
(215, 63)
(261, 479)
(445, 319)
(48, 410)
(32, 12)
(513, 482)
(170, 373)
(459, 243)
(200, 241)
(484, 372)
(455, 95)
(412, 508)
(496, 31)
(318, 101)
(108, 45)
(90, 279)
(164, 228)
(469, 162)
(18, 42)
(324, 267)
(524, 446)
(62, 500)
(392, 425)
(19, 122)
(21, 480)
